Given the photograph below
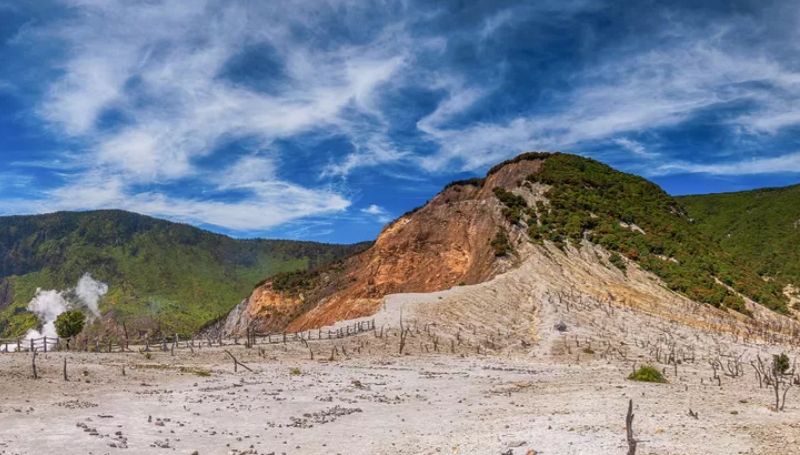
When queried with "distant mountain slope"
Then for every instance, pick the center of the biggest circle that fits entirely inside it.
(761, 227)
(161, 275)
(476, 229)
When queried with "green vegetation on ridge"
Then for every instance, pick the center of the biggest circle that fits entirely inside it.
(162, 276)
(635, 218)
(761, 227)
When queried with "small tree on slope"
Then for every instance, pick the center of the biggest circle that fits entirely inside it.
(70, 323)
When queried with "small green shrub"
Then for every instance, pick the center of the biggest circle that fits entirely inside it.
(501, 244)
(734, 302)
(477, 181)
(295, 281)
(70, 323)
(616, 260)
(647, 373)
(515, 206)
(197, 371)
(295, 371)
(535, 233)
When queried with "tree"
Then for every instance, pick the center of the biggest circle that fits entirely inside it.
(70, 323)
(779, 376)
(780, 363)
(501, 244)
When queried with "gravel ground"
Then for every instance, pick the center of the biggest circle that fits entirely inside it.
(533, 362)
(376, 403)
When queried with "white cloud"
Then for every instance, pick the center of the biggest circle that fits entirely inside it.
(245, 171)
(268, 204)
(379, 213)
(89, 85)
(14, 180)
(788, 163)
(192, 109)
(635, 147)
(371, 149)
(643, 91)
(176, 107)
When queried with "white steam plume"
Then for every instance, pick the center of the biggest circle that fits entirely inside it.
(89, 292)
(47, 305)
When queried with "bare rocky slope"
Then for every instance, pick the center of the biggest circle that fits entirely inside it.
(535, 217)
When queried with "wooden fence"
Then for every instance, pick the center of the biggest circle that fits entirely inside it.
(164, 343)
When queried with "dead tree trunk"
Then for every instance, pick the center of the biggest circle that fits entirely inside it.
(629, 429)
(310, 351)
(236, 363)
(33, 362)
(403, 335)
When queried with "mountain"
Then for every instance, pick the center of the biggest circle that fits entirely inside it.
(761, 227)
(162, 276)
(533, 206)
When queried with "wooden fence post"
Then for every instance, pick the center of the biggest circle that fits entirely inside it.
(33, 362)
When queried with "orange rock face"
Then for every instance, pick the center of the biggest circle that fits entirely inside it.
(442, 244)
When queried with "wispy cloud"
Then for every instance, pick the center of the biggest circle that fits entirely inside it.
(268, 204)
(635, 147)
(175, 107)
(645, 91)
(326, 96)
(789, 163)
(379, 213)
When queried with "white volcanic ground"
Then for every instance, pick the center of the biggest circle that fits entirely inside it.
(484, 371)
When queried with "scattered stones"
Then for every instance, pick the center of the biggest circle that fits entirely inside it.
(322, 417)
(76, 404)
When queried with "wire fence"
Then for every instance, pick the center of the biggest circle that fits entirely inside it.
(170, 343)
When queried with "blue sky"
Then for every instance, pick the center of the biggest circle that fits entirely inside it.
(322, 120)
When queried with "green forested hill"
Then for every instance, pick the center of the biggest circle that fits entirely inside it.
(761, 227)
(161, 275)
(633, 217)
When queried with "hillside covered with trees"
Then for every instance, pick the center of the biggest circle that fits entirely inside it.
(634, 218)
(162, 276)
(761, 227)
